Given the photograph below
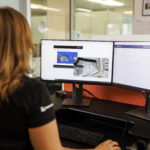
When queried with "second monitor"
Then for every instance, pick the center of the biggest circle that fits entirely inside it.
(132, 70)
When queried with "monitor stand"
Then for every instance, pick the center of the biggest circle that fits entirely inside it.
(77, 97)
(143, 113)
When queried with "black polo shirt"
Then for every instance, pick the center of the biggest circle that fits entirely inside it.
(29, 107)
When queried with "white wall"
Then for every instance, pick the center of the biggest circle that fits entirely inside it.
(141, 23)
(13, 3)
(21, 5)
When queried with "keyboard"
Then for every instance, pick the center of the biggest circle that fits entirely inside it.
(80, 135)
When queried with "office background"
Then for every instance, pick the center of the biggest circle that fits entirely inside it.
(86, 20)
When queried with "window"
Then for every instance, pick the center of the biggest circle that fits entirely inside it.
(102, 17)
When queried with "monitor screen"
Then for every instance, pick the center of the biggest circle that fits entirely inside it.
(132, 64)
(78, 61)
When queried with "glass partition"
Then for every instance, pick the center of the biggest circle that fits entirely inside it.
(50, 19)
(102, 17)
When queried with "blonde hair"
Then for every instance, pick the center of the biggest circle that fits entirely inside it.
(15, 50)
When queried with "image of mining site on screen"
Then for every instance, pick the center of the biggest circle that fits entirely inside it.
(91, 67)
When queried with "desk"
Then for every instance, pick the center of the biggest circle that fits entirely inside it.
(141, 129)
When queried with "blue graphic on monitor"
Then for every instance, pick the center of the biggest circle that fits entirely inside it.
(66, 57)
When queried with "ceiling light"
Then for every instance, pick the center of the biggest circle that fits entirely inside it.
(36, 6)
(108, 2)
(83, 10)
(128, 12)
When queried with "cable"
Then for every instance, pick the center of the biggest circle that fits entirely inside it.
(144, 94)
(94, 97)
(123, 133)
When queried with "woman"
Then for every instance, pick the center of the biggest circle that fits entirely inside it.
(25, 124)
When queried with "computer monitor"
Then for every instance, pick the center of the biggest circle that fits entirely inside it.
(77, 62)
(131, 69)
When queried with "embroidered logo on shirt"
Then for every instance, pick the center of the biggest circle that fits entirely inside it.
(44, 108)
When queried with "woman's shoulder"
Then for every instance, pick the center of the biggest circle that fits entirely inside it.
(29, 90)
(28, 81)
(31, 84)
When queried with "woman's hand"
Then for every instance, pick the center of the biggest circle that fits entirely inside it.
(108, 145)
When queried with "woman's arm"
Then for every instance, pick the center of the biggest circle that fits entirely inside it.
(46, 137)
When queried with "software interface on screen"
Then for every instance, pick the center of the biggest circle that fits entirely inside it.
(132, 64)
(76, 60)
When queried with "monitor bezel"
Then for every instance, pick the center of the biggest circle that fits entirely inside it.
(78, 81)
